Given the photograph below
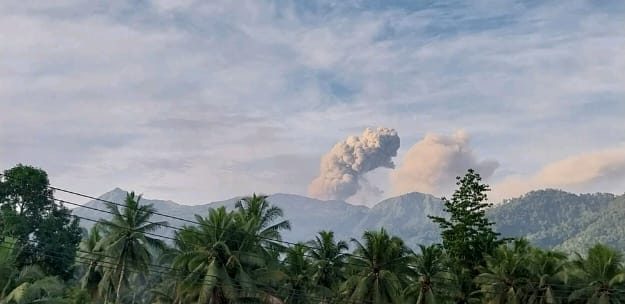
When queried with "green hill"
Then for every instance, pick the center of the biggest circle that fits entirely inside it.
(550, 218)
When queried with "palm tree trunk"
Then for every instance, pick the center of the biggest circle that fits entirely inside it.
(106, 297)
(118, 294)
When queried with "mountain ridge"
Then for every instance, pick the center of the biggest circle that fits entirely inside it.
(549, 218)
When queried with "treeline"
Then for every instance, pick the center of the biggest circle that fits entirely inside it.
(238, 256)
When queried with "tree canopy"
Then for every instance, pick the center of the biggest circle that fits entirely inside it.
(238, 256)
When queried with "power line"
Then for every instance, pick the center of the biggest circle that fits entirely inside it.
(169, 268)
(197, 223)
(347, 263)
(172, 217)
(153, 234)
(180, 228)
(88, 262)
(183, 219)
(175, 271)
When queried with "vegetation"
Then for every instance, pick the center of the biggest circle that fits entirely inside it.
(238, 256)
(551, 218)
(44, 231)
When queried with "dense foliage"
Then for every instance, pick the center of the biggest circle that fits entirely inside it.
(238, 256)
(44, 231)
(550, 217)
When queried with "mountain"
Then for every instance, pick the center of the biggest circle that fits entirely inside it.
(404, 215)
(558, 219)
(308, 216)
(548, 218)
(606, 227)
(89, 216)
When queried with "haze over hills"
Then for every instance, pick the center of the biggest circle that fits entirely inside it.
(548, 218)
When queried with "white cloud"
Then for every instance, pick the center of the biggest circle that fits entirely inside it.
(86, 85)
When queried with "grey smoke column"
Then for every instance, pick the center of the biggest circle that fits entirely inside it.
(342, 167)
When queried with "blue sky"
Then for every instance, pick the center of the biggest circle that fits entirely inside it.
(198, 101)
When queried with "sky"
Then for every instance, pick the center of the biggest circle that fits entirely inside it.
(197, 101)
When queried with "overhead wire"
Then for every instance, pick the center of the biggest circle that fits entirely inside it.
(185, 220)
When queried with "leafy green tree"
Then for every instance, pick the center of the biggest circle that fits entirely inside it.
(329, 261)
(380, 269)
(26, 199)
(127, 240)
(599, 277)
(468, 234)
(429, 276)
(45, 232)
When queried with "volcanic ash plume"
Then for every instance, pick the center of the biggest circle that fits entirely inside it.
(597, 171)
(342, 168)
(432, 164)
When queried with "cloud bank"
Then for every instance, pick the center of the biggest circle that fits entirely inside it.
(602, 170)
(203, 100)
(342, 168)
(432, 164)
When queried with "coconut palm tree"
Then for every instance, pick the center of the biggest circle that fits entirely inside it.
(429, 275)
(379, 269)
(8, 269)
(261, 224)
(127, 239)
(504, 278)
(599, 277)
(297, 268)
(163, 286)
(90, 256)
(329, 261)
(212, 258)
(262, 220)
(459, 284)
(546, 274)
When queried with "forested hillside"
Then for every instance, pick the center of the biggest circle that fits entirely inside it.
(548, 218)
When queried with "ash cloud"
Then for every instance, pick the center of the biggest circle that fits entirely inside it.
(432, 164)
(601, 170)
(342, 168)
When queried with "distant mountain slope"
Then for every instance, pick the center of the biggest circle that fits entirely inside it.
(548, 218)
(405, 216)
(308, 216)
(118, 195)
(606, 226)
